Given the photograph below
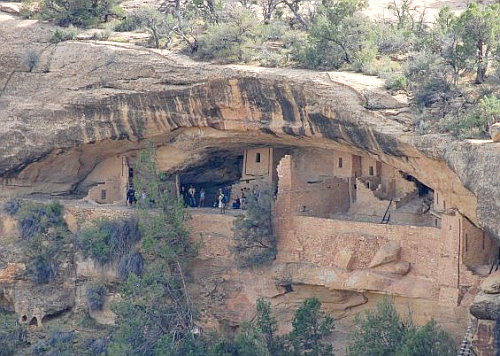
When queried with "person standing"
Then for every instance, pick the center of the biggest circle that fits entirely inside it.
(202, 198)
(220, 200)
(130, 196)
(184, 195)
(192, 199)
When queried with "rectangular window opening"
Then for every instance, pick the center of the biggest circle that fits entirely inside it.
(340, 162)
(257, 158)
(371, 170)
(103, 194)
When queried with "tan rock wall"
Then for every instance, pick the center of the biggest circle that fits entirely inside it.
(478, 246)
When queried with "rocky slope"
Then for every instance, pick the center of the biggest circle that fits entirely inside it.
(85, 101)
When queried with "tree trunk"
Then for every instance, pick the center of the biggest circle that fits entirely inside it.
(482, 62)
(297, 15)
(481, 72)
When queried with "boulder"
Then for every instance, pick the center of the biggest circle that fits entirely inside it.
(486, 306)
(495, 132)
(344, 259)
(400, 268)
(11, 8)
(386, 253)
(364, 280)
(491, 284)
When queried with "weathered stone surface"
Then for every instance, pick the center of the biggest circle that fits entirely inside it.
(491, 284)
(386, 253)
(86, 101)
(344, 259)
(495, 132)
(43, 300)
(366, 280)
(11, 272)
(486, 306)
(484, 341)
(401, 268)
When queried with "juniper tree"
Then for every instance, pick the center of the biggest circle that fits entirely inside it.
(155, 315)
(255, 241)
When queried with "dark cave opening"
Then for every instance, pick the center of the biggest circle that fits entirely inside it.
(218, 170)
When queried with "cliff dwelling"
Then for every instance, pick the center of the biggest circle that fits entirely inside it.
(366, 201)
(378, 228)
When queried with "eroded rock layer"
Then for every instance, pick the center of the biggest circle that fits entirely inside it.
(85, 101)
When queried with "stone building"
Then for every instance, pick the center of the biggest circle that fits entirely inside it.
(377, 229)
(340, 210)
(108, 182)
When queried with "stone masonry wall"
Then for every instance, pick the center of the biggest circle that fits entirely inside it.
(319, 241)
(310, 186)
(478, 247)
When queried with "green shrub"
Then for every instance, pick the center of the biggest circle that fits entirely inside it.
(474, 122)
(12, 334)
(96, 294)
(159, 25)
(31, 59)
(108, 240)
(61, 35)
(43, 268)
(430, 80)
(36, 219)
(250, 342)
(129, 23)
(269, 58)
(60, 343)
(255, 241)
(273, 31)
(97, 347)
(393, 40)
(395, 81)
(339, 34)
(12, 207)
(429, 340)
(80, 13)
(310, 326)
(384, 333)
(103, 35)
(43, 231)
(230, 41)
(379, 333)
(131, 263)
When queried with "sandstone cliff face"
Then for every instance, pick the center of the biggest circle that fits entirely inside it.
(85, 101)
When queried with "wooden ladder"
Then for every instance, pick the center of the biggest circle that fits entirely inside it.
(387, 215)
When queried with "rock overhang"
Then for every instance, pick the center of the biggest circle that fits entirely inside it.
(88, 100)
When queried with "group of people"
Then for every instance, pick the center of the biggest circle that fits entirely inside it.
(193, 198)
(189, 197)
(144, 201)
